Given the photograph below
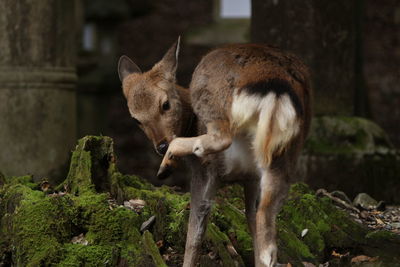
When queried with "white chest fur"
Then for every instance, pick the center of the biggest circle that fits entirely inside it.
(239, 157)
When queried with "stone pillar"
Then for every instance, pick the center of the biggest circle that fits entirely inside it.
(322, 32)
(37, 86)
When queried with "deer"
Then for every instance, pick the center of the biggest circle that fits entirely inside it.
(244, 119)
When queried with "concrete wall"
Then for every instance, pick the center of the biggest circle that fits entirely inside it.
(37, 94)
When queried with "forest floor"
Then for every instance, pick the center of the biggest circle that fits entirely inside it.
(367, 211)
(388, 219)
(101, 217)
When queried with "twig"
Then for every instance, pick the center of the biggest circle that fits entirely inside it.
(337, 200)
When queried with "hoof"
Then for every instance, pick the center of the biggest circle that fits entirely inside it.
(268, 256)
(164, 172)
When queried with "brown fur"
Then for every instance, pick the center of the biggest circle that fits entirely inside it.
(201, 121)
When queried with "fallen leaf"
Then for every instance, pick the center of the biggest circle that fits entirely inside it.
(135, 204)
(338, 255)
(160, 243)
(304, 232)
(212, 255)
(45, 186)
(363, 258)
(80, 239)
(308, 264)
(232, 250)
(166, 257)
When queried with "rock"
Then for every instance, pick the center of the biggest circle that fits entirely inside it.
(364, 214)
(147, 224)
(135, 204)
(80, 239)
(352, 155)
(341, 195)
(365, 201)
(344, 135)
(381, 206)
(395, 225)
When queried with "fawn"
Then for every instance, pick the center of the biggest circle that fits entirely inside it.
(244, 118)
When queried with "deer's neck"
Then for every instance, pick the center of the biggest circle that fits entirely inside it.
(189, 119)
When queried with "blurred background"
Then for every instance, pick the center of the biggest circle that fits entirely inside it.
(58, 79)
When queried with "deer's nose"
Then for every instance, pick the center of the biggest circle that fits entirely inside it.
(162, 147)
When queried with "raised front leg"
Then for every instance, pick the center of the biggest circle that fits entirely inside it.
(274, 189)
(218, 138)
(203, 189)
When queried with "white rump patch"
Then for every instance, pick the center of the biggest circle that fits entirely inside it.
(270, 119)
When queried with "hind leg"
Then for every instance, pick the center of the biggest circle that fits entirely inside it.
(274, 187)
(252, 194)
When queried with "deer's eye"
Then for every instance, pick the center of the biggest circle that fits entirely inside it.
(166, 106)
(136, 121)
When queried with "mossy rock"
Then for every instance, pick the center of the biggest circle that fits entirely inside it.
(84, 226)
(353, 155)
(346, 135)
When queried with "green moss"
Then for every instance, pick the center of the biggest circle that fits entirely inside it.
(136, 182)
(26, 180)
(88, 256)
(291, 248)
(92, 163)
(40, 228)
(299, 189)
(152, 250)
(233, 222)
(346, 135)
(79, 176)
(170, 209)
(220, 241)
(382, 236)
(304, 213)
(36, 226)
(234, 193)
(328, 227)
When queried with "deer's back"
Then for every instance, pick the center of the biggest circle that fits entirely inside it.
(246, 68)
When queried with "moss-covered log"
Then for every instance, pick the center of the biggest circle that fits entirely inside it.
(84, 224)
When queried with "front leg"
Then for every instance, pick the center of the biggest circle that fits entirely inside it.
(178, 147)
(218, 138)
(203, 189)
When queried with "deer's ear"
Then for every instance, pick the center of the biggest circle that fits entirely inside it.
(169, 62)
(126, 66)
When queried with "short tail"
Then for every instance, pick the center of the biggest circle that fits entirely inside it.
(277, 125)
